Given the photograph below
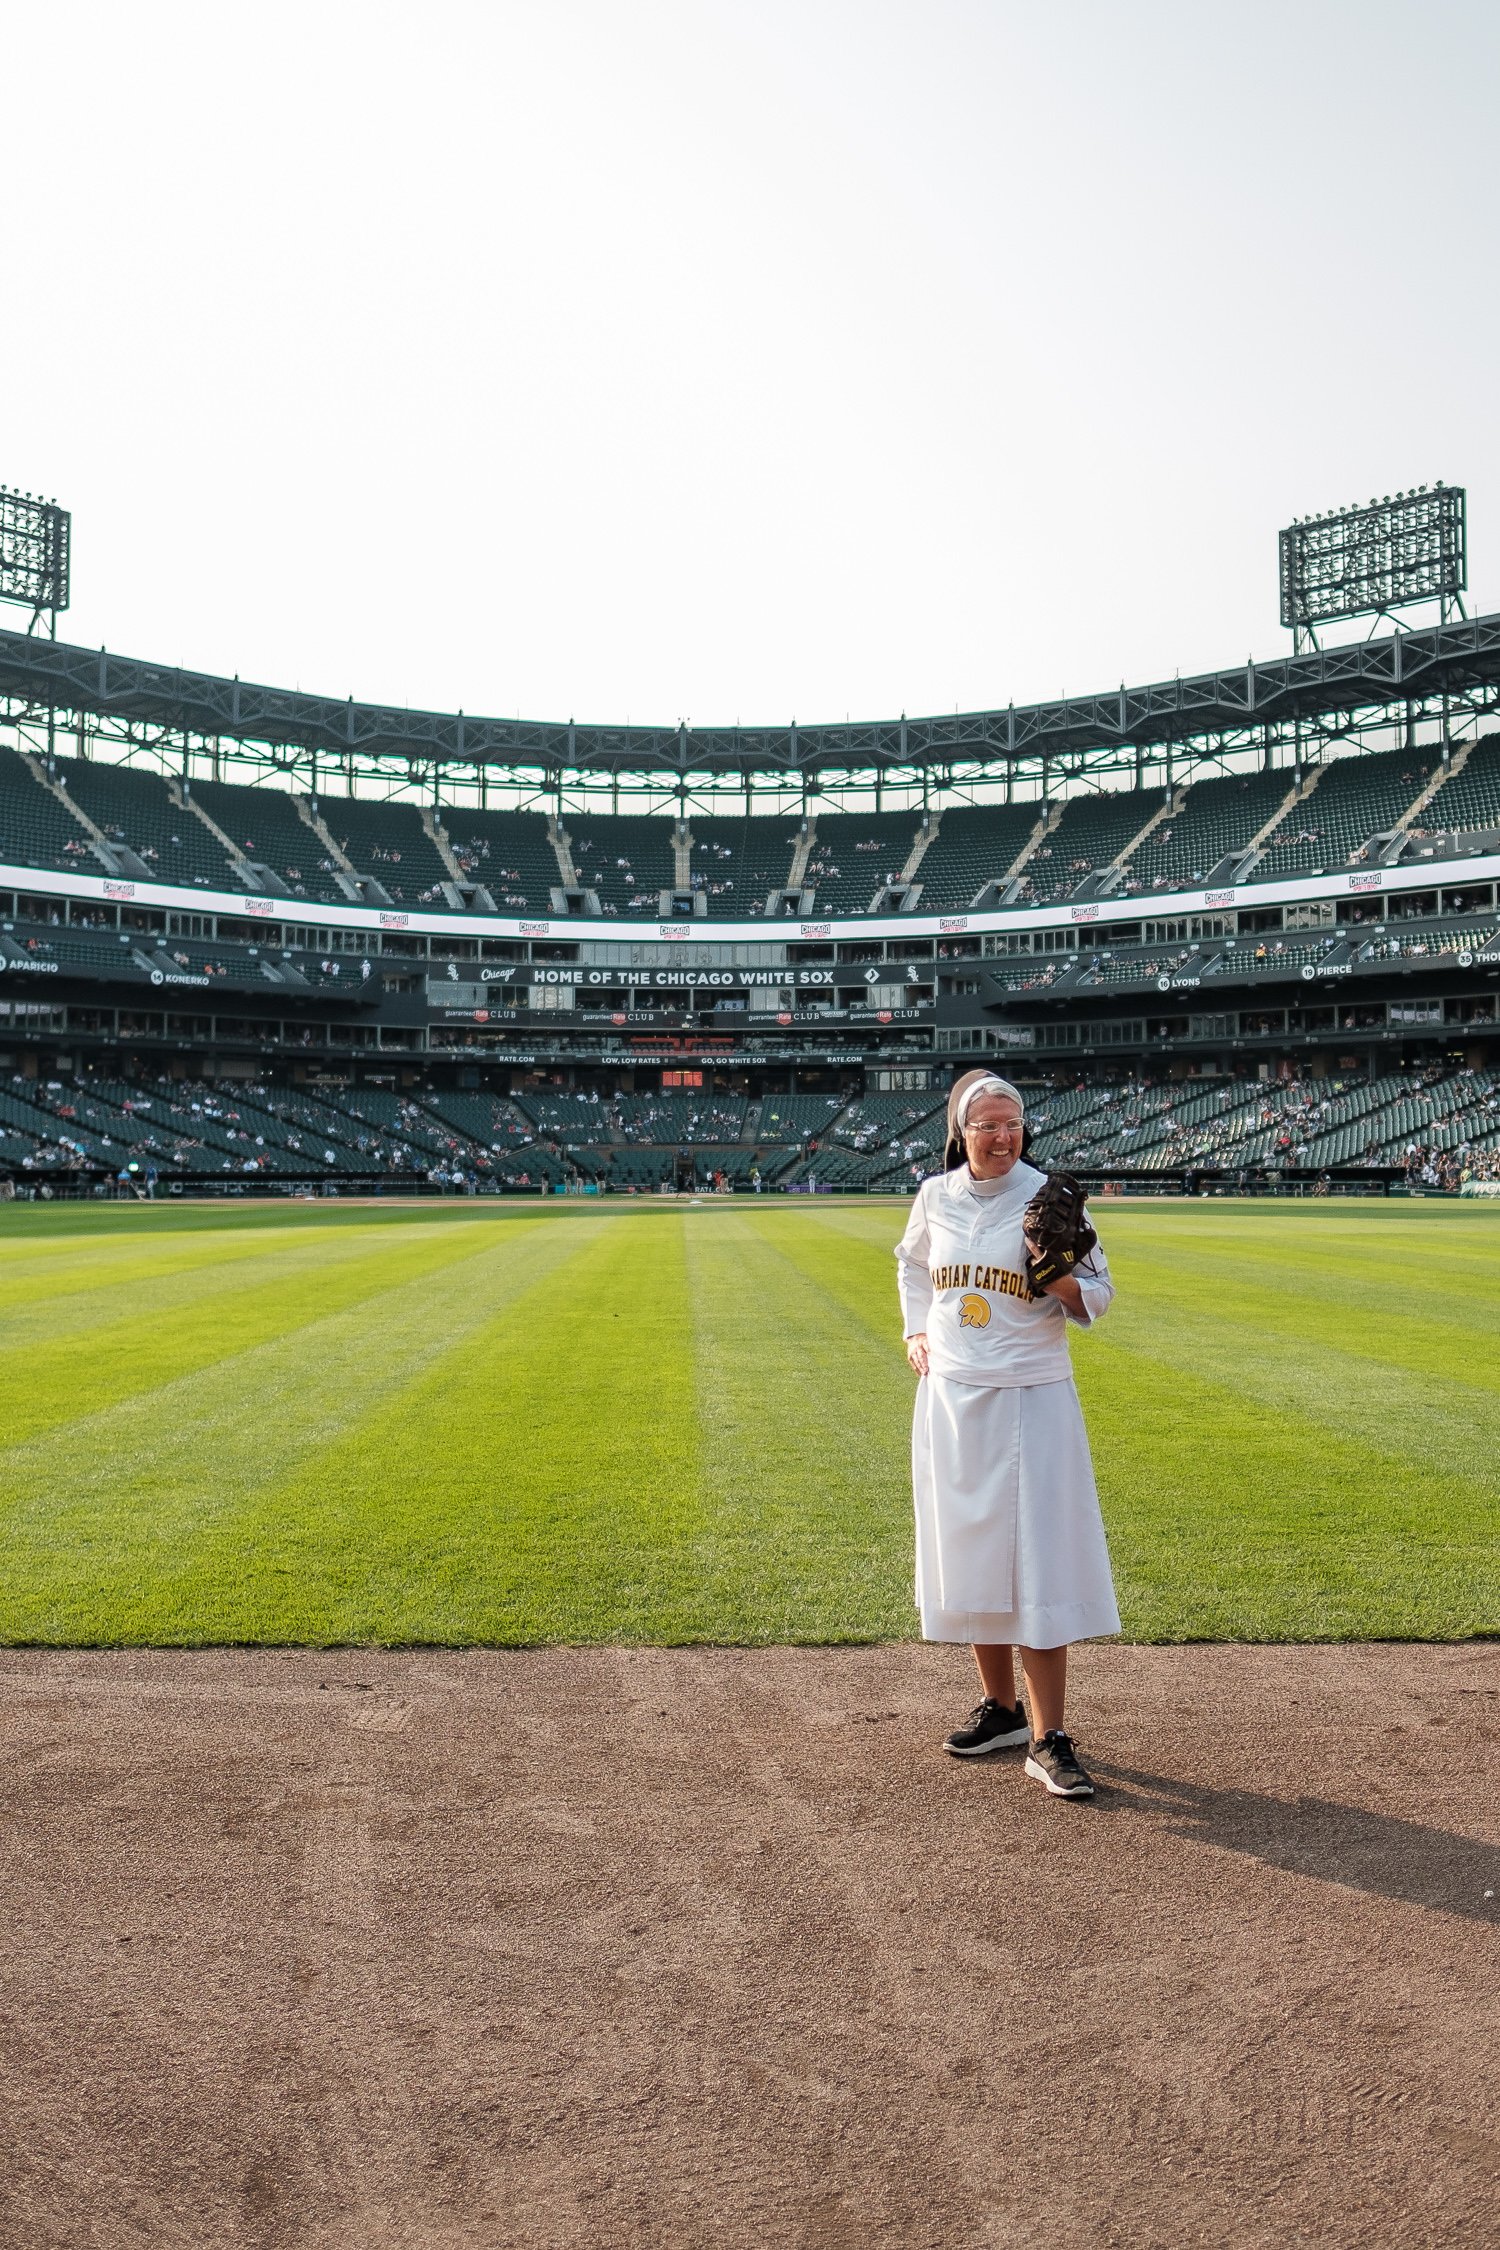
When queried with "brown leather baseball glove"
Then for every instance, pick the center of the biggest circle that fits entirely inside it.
(1056, 1231)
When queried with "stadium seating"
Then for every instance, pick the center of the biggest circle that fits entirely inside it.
(875, 1120)
(388, 843)
(792, 1118)
(853, 854)
(1357, 798)
(1216, 818)
(739, 863)
(1092, 832)
(35, 830)
(974, 845)
(265, 825)
(629, 860)
(131, 807)
(1439, 1124)
(736, 862)
(510, 853)
(1472, 798)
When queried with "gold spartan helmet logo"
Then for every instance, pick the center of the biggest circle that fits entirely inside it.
(974, 1312)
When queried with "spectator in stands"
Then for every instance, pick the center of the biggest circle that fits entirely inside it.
(1010, 1542)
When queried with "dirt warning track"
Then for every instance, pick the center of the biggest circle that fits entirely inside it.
(681, 1947)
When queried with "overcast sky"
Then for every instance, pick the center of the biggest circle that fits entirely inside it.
(709, 361)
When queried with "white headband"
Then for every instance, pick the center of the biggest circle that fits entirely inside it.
(984, 1089)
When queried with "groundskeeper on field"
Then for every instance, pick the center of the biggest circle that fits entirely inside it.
(995, 1261)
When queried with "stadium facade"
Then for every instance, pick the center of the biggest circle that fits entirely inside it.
(1238, 921)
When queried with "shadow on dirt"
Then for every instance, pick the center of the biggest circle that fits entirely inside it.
(1364, 1851)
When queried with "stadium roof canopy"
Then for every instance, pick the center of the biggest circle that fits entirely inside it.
(1325, 690)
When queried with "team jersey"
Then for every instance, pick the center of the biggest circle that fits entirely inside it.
(961, 1266)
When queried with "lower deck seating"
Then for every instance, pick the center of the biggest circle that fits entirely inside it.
(1440, 1125)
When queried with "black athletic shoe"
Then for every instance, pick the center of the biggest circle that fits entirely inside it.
(991, 1726)
(1052, 1762)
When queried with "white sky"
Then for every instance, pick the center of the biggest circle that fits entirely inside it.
(743, 359)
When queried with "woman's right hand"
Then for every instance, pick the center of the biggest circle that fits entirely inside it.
(916, 1353)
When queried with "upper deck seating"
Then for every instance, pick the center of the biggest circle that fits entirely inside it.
(974, 845)
(1472, 798)
(627, 858)
(739, 863)
(510, 853)
(1093, 830)
(854, 854)
(35, 830)
(1358, 797)
(1216, 818)
(388, 842)
(131, 806)
(265, 825)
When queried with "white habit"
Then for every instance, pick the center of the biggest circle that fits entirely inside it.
(1010, 1541)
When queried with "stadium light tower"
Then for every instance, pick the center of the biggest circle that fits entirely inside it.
(35, 543)
(1374, 560)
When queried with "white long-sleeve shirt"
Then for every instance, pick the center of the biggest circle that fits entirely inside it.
(961, 1268)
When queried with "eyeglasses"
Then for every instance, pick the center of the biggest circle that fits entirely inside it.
(1012, 1126)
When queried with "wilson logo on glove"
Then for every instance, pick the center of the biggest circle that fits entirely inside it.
(1056, 1230)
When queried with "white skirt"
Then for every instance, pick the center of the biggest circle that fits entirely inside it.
(1010, 1541)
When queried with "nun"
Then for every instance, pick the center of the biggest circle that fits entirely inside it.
(1011, 1551)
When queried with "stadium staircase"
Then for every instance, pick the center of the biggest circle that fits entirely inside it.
(1171, 805)
(562, 845)
(360, 890)
(1446, 772)
(103, 850)
(254, 877)
(1035, 842)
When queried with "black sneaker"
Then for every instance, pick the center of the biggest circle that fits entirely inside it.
(991, 1726)
(1052, 1762)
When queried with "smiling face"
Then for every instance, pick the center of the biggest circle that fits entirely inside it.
(992, 1136)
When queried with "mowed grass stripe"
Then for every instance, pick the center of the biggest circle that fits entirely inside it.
(1229, 1519)
(219, 1267)
(538, 1481)
(1397, 1291)
(78, 1265)
(1413, 1401)
(851, 1255)
(108, 1525)
(805, 1417)
(52, 1380)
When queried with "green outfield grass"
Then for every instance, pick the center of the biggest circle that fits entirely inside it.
(524, 1422)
